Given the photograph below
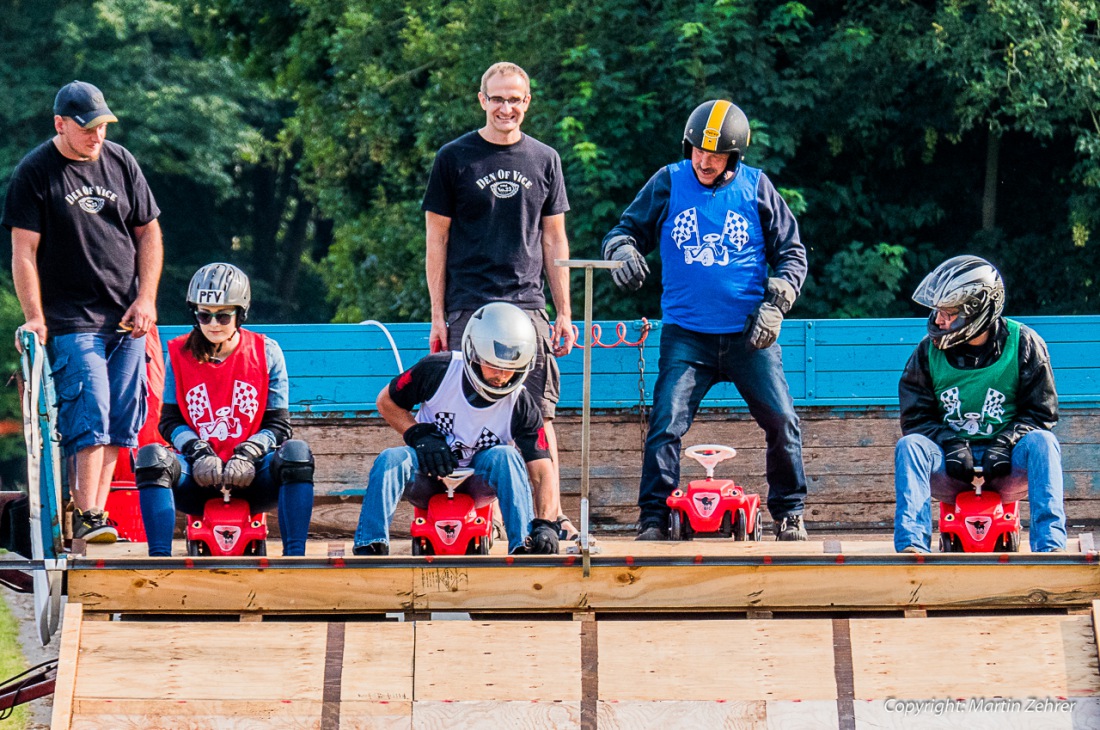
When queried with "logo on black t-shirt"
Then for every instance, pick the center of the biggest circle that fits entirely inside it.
(90, 198)
(504, 183)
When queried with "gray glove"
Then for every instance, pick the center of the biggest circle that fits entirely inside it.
(206, 467)
(240, 470)
(634, 269)
(763, 324)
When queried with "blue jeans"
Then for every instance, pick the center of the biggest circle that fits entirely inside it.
(396, 469)
(691, 363)
(294, 500)
(1036, 472)
(100, 381)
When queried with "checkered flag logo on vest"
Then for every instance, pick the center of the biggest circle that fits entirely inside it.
(685, 227)
(198, 402)
(246, 399)
(736, 230)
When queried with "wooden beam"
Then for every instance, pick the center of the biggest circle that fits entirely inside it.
(762, 583)
(68, 656)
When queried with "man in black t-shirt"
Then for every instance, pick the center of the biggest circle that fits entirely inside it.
(472, 410)
(86, 261)
(495, 215)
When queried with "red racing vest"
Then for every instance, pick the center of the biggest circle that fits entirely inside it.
(223, 402)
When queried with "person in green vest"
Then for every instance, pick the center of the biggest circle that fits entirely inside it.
(978, 390)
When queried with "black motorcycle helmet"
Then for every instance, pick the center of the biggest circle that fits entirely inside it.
(968, 284)
(718, 126)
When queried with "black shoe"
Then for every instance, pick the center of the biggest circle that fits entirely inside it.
(92, 526)
(651, 531)
(790, 528)
(543, 539)
(374, 548)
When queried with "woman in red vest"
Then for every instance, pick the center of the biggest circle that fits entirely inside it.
(225, 412)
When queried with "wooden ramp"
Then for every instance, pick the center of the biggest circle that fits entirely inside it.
(710, 634)
(1021, 671)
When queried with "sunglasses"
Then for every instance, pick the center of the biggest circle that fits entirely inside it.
(223, 318)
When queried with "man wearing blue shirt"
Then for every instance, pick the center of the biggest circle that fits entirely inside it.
(719, 225)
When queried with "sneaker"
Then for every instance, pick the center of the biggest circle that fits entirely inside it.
(92, 526)
(651, 531)
(915, 550)
(374, 548)
(790, 528)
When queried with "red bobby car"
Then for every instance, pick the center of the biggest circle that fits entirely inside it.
(227, 527)
(979, 522)
(713, 506)
(453, 524)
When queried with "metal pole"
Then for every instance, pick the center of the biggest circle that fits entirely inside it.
(586, 414)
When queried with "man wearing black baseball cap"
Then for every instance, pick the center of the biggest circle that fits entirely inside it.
(86, 260)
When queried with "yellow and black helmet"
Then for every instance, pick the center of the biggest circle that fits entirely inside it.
(718, 126)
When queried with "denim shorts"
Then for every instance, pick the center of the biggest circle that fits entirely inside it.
(101, 389)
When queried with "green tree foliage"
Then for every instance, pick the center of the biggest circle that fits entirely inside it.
(873, 117)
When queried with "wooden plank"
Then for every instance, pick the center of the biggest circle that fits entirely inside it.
(664, 660)
(378, 663)
(953, 657)
(68, 659)
(590, 671)
(692, 715)
(97, 714)
(222, 661)
(502, 661)
(526, 585)
(981, 714)
(494, 715)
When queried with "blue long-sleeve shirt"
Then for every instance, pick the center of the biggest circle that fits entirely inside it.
(783, 248)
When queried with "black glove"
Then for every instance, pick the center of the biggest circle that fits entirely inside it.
(997, 460)
(958, 460)
(763, 324)
(240, 470)
(206, 467)
(432, 451)
(634, 269)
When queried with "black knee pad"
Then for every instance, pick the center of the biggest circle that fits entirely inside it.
(156, 466)
(293, 462)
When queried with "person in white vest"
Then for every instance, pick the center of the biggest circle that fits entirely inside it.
(473, 412)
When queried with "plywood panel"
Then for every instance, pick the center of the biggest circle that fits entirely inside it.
(716, 660)
(949, 657)
(693, 715)
(97, 714)
(1045, 714)
(496, 715)
(378, 662)
(498, 661)
(210, 661)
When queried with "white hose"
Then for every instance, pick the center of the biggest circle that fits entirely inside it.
(393, 345)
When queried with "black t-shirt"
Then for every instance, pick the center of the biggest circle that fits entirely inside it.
(86, 212)
(420, 382)
(496, 197)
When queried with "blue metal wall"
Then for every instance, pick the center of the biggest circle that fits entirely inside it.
(338, 368)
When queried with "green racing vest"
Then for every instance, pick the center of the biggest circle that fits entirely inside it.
(978, 403)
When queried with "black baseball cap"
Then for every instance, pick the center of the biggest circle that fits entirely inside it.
(84, 103)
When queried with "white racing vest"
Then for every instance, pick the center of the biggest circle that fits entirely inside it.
(468, 429)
